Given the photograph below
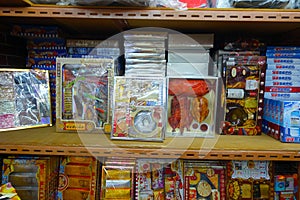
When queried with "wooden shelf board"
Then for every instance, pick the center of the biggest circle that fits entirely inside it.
(46, 141)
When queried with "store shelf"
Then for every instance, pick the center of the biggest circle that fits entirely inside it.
(45, 141)
(114, 20)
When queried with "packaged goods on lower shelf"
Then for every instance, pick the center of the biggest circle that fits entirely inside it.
(32, 177)
(204, 180)
(78, 178)
(8, 192)
(159, 179)
(118, 179)
(249, 180)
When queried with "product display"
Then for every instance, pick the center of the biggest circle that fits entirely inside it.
(84, 87)
(139, 108)
(32, 177)
(243, 178)
(244, 79)
(282, 119)
(249, 180)
(24, 99)
(159, 179)
(8, 192)
(204, 180)
(77, 178)
(145, 54)
(192, 107)
(117, 181)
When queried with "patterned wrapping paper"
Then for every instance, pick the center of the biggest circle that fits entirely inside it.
(24, 99)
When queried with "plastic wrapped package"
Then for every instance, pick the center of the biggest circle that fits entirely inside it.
(175, 4)
(259, 3)
(254, 4)
(45, 1)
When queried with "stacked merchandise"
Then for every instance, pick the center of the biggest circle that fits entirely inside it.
(243, 71)
(281, 110)
(189, 55)
(32, 177)
(83, 48)
(140, 96)
(44, 45)
(145, 54)
(192, 87)
(117, 180)
(286, 180)
(78, 178)
(249, 180)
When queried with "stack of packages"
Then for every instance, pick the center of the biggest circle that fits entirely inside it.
(32, 177)
(78, 178)
(193, 86)
(145, 54)
(117, 179)
(243, 71)
(82, 48)
(282, 99)
(44, 45)
(189, 55)
(139, 96)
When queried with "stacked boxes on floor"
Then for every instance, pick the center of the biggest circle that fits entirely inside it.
(282, 107)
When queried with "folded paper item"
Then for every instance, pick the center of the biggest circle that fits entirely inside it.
(8, 191)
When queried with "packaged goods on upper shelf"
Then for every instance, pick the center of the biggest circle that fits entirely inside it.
(83, 88)
(139, 108)
(193, 106)
(273, 4)
(175, 4)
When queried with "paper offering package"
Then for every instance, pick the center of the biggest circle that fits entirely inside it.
(84, 87)
(139, 108)
(24, 99)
